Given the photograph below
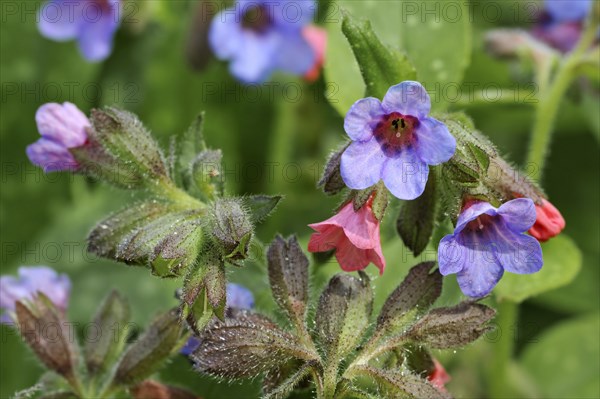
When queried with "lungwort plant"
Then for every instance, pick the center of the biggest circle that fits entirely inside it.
(341, 350)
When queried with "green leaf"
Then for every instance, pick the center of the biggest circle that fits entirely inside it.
(343, 314)
(452, 327)
(35, 319)
(399, 384)
(419, 290)
(123, 135)
(246, 345)
(285, 388)
(562, 261)
(417, 217)
(438, 44)
(100, 350)
(150, 234)
(145, 356)
(288, 276)
(344, 84)
(261, 206)
(564, 360)
(380, 66)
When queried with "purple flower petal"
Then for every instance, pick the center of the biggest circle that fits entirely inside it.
(434, 144)
(225, 35)
(63, 124)
(451, 255)
(11, 290)
(239, 297)
(96, 35)
(32, 280)
(362, 163)
(408, 98)
(361, 118)
(472, 212)
(57, 287)
(568, 10)
(482, 271)
(517, 253)
(190, 346)
(254, 61)
(292, 14)
(296, 56)
(406, 175)
(519, 214)
(59, 21)
(50, 156)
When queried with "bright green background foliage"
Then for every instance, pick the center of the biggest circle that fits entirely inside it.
(275, 139)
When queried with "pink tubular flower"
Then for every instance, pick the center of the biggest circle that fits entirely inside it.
(439, 377)
(353, 235)
(548, 223)
(317, 39)
(62, 126)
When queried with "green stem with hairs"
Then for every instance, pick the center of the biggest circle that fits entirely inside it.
(550, 100)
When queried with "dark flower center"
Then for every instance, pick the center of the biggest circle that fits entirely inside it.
(479, 224)
(395, 131)
(257, 19)
(104, 5)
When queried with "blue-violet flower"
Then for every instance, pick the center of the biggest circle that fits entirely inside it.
(238, 297)
(62, 127)
(92, 22)
(261, 36)
(488, 241)
(561, 23)
(32, 280)
(394, 140)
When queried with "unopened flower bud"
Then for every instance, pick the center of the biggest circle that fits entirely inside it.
(232, 228)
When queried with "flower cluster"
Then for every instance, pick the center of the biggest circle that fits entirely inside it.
(92, 23)
(263, 36)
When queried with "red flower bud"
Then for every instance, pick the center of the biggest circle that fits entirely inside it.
(549, 222)
(438, 377)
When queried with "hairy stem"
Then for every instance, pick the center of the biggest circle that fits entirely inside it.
(550, 100)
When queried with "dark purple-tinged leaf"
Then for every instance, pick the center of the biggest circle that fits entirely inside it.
(104, 347)
(417, 293)
(398, 384)
(149, 352)
(288, 275)
(246, 345)
(343, 314)
(416, 219)
(331, 181)
(46, 332)
(285, 387)
(150, 389)
(452, 327)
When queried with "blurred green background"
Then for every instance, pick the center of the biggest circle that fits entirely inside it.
(275, 139)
